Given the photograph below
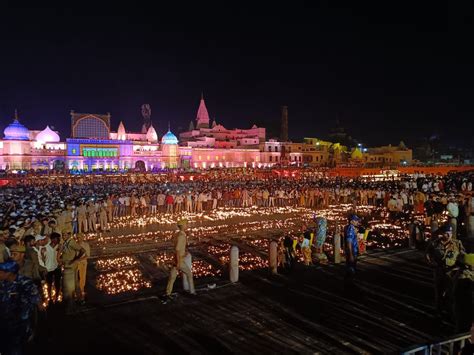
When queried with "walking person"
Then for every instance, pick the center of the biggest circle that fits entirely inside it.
(352, 249)
(180, 247)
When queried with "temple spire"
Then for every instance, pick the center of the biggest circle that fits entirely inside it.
(16, 114)
(202, 117)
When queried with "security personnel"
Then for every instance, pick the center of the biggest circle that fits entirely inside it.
(71, 252)
(103, 216)
(351, 248)
(19, 298)
(91, 216)
(181, 251)
(443, 253)
(82, 218)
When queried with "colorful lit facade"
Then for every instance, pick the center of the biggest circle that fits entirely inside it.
(94, 146)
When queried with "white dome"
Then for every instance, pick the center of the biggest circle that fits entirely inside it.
(47, 135)
(151, 135)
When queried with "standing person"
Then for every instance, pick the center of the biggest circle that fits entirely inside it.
(305, 246)
(214, 199)
(71, 252)
(103, 216)
(470, 216)
(143, 205)
(110, 208)
(48, 259)
(453, 213)
(91, 216)
(82, 218)
(290, 253)
(116, 206)
(31, 267)
(179, 202)
(180, 247)
(153, 203)
(161, 202)
(82, 266)
(122, 206)
(189, 202)
(169, 203)
(75, 225)
(4, 251)
(435, 254)
(127, 205)
(352, 248)
(19, 299)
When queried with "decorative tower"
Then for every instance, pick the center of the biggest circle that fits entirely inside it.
(151, 135)
(284, 124)
(169, 150)
(121, 134)
(202, 117)
(146, 113)
(191, 126)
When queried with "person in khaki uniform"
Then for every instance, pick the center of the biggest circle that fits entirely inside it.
(71, 252)
(103, 217)
(4, 254)
(82, 265)
(67, 217)
(181, 251)
(82, 218)
(91, 216)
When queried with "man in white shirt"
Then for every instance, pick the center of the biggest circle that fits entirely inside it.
(404, 197)
(161, 202)
(453, 213)
(48, 259)
(122, 208)
(127, 205)
(400, 203)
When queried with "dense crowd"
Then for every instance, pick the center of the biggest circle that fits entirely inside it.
(43, 222)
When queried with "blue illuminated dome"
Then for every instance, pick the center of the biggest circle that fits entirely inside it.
(169, 138)
(16, 131)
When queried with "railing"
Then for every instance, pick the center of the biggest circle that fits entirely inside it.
(449, 346)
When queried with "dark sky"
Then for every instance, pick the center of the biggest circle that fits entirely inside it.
(389, 72)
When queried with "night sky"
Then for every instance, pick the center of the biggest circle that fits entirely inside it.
(389, 73)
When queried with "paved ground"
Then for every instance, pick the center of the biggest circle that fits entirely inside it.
(307, 311)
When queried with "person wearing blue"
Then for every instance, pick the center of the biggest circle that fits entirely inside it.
(19, 299)
(351, 247)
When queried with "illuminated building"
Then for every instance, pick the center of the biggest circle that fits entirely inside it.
(94, 146)
(217, 136)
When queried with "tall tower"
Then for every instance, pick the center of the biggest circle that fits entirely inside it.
(284, 124)
(202, 117)
(146, 113)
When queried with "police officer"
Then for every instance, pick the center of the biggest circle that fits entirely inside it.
(351, 248)
(181, 251)
(19, 299)
(71, 253)
(443, 253)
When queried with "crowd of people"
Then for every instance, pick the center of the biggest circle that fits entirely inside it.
(43, 223)
(89, 206)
